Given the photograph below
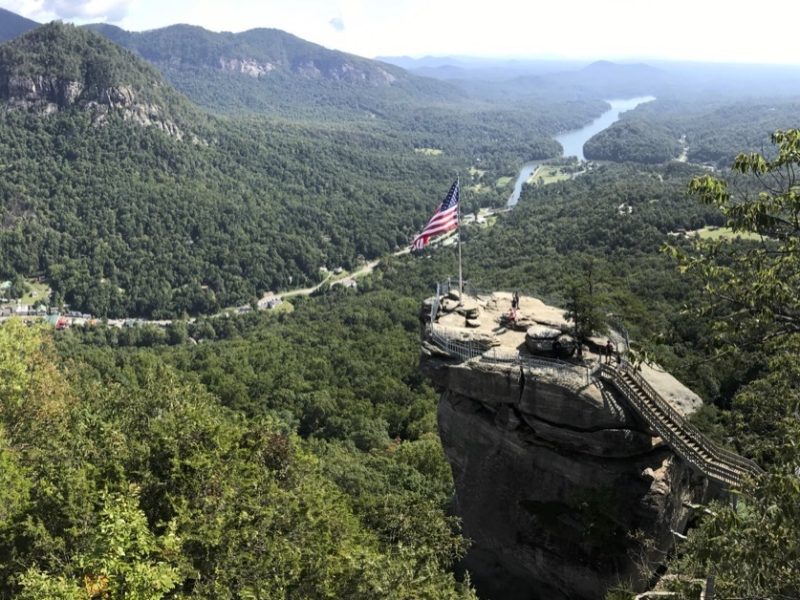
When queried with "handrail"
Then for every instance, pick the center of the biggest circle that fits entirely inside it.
(708, 457)
(470, 349)
(716, 462)
(715, 450)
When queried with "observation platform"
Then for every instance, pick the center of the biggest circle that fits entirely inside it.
(536, 338)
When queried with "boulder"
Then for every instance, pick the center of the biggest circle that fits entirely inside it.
(469, 309)
(449, 305)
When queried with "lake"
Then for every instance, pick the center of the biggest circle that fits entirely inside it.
(573, 141)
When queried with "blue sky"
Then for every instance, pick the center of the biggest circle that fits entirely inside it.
(712, 30)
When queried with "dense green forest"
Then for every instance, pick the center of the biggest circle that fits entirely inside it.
(633, 141)
(229, 208)
(340, 371)
(124, 478)
(329, 400)
(294, 454)
(713, 127)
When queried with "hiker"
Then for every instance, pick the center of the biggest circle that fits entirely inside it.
(515, 300)
(609, 351)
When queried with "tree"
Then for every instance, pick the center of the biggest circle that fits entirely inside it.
(752, 297)
(125, 560)
(584, 305)
(753, 290)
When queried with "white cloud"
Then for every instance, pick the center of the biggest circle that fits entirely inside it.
(337, 24)
(107, 10)
(79, 10)
(613, 29)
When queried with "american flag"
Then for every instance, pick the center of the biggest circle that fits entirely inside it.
(443, 220)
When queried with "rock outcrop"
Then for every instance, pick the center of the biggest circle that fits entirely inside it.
(47, 95)
(563, 490)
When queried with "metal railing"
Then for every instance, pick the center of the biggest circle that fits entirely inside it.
(685, 439)
(467, 349)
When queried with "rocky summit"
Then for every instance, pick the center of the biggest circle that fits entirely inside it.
(563, 488)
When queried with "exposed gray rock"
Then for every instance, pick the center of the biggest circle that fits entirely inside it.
(449, 305)
(562, 489)
(47, 95)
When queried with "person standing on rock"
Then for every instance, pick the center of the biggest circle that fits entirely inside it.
(515, 300)
(609, 351)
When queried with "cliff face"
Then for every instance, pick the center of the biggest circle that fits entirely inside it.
(47, 95)
(561, 488)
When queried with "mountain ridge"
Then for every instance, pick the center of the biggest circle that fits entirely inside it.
(270, 70)
(59, 66)
(13, 25)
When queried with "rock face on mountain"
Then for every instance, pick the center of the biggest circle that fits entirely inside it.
(47, 95)
(256, 53)
(563, 490)
(57, 67)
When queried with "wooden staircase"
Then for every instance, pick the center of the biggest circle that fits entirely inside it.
(685, 439)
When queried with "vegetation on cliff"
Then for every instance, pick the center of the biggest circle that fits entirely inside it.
(753, 546)
(124, 478)
(629, 140)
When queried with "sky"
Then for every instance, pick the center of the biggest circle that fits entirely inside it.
(697, 30)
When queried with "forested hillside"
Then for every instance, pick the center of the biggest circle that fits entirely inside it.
(713, 128)
(293, 453)
(127, 218)
(271, 71)
(57, 66)
(632, 140)
(122, 477)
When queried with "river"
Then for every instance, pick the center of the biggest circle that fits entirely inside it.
(573, 141)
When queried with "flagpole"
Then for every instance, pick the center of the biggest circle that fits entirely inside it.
(460, 273)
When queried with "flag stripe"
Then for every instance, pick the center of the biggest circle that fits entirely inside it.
(444, 219)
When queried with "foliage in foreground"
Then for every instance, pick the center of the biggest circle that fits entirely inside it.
(152, 489)
(753, 546)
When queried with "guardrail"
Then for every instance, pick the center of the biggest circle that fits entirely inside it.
(471, 349)
(687, 441)
(705, 455)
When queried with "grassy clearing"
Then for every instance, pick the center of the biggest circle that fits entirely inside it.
(39, 292)
(428, 151)
(723, 233)
(476, 172)
(547, 174)
(503, 182)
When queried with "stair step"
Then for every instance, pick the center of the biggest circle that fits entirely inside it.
(696, 449)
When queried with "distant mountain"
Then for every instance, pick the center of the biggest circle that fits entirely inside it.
(271, 70)
(480, 68)
(12, 25)
(611, 79)
(132, 201)
(58, 66)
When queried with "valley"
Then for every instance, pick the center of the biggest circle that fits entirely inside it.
(241, 406)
